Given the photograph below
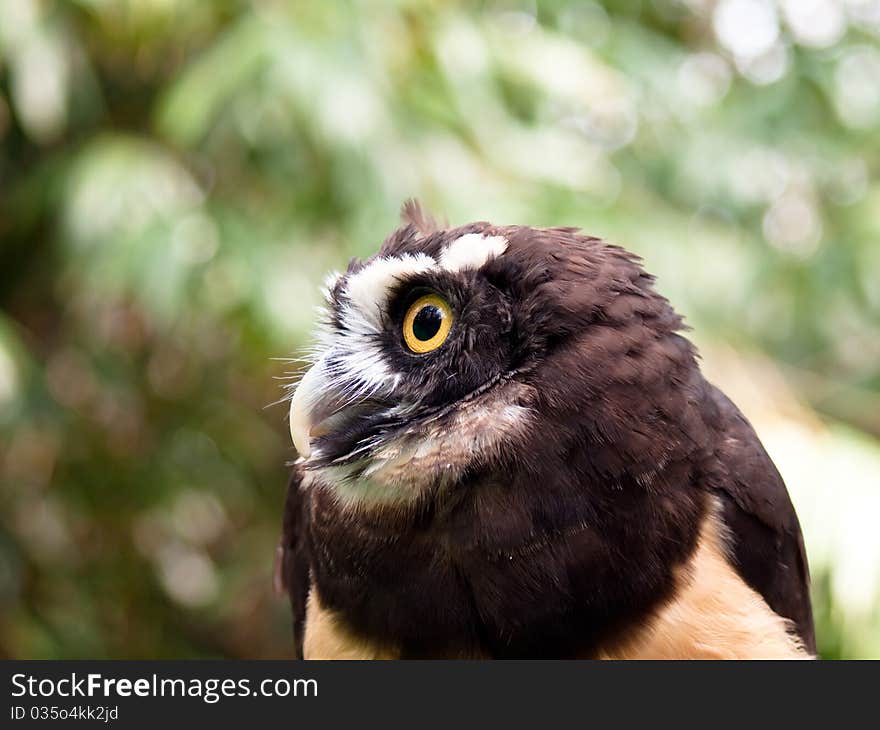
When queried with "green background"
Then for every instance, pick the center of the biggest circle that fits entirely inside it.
(176, 178)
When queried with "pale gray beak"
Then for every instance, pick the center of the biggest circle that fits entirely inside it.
(324, 403)
(304, 407)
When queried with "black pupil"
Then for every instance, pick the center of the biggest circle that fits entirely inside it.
(427, 322)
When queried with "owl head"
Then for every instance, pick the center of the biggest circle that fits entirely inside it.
(456, 351)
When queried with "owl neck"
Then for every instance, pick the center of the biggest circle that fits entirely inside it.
(524, 566)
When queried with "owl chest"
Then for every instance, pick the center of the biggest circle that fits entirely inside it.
(459, 589)
(479, 609)
(435, 605)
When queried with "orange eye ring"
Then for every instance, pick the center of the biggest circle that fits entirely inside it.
(427, 323)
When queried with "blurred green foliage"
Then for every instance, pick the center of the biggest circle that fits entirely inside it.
(176, 177)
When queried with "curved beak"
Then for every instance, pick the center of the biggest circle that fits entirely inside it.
(323, 405)
(305, 410)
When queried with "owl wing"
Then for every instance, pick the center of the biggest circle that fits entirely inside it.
(293, 568)
(768, 548)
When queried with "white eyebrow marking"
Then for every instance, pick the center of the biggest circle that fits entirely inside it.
(472, 251)
(352, 356)
(368, 289)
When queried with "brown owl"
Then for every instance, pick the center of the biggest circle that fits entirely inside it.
(508, 450)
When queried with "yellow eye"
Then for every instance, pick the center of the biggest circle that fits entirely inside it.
(427, 323)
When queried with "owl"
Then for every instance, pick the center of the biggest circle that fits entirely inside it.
(508, 450)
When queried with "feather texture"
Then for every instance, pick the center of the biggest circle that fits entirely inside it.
(537, 487)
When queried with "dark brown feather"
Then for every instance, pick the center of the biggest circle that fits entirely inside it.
(767, 543)
(414, 215)
(295, 555)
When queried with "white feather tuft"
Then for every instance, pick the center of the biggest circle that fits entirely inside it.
(472, 251)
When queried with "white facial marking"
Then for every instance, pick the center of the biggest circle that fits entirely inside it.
(368, 289)
(330, 282)
(353, 355)
(472, 251)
